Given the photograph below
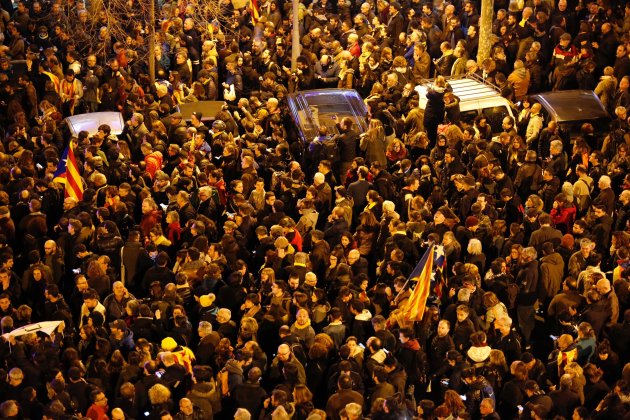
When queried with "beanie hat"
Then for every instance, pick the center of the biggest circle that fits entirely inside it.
(471, 221)
(169, 344)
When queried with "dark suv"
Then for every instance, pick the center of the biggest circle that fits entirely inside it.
(311, 109)
(572, 108)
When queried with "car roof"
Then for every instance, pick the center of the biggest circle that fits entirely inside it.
(467, 89)
(572, 105)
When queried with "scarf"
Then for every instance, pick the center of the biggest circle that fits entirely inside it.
(302, 327)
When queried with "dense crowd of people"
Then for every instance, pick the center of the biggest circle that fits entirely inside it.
(229, 269)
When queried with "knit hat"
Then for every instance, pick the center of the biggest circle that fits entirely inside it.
(207, 300)
(471, 221)
(169, 344)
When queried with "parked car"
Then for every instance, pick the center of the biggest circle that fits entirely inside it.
(476, 97)
(311, 109)
(572, 108)
(91, 121)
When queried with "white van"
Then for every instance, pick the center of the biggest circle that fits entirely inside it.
(476, 97)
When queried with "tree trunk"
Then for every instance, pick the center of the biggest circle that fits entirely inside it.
(152, 41)
(485, 30)
(295, 36)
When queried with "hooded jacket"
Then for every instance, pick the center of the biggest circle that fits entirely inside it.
(551, 274)
(205, 396)
(235, 374)
(413, 359)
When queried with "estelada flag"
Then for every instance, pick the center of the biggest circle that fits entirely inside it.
(414, 310)
(255, 12)
(67, 173)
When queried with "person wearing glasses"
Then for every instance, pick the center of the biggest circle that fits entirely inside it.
(99, 409)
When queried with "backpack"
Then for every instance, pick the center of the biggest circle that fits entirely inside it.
(222, 383)
(388, 189)
(512, 292)
(330, 150)
(118, 172)
(583, 202)
(298, 351)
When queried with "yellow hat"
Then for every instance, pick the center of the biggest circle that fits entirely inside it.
(169, 344)
(207, 300)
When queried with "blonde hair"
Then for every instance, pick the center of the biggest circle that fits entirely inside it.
(159, 394)
(270, 273)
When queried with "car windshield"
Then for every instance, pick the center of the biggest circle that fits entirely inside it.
(325, 107)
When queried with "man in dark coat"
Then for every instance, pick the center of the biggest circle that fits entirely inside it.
(434, 110)
(348, 143)
(395, 25)
(249, 394)
(527, 280)
(341, 398)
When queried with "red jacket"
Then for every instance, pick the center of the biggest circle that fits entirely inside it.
(563, 218)
(149, 220)
(154, 163)
(97, 412)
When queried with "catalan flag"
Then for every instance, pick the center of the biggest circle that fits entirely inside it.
(67, 173)
(255, 12)
(414, 310)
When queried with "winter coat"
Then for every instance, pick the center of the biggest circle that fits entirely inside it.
(434, 110)
(109, 244)
(551, 274)
(519, 80)
(250, 396)
(527, 279)
(563, 218)
(605, 89)
(413, 359)
(307, 222)
(205, 396)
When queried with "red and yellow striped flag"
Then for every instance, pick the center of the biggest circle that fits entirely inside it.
(67, 173)
(255, 12)
(414, 310)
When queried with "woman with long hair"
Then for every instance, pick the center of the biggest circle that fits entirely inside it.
(579, 156)
(454, 403)
(578, 380)
(374, 204)
(475, 255)
(373, 142)
(366, 233)
(366, 79)
(396, 151)
(516, 155)
(87, 342)
(97, 278)
(496, 369)
(452, 248)
(495, 309)
(346, 75)
(303, 400)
